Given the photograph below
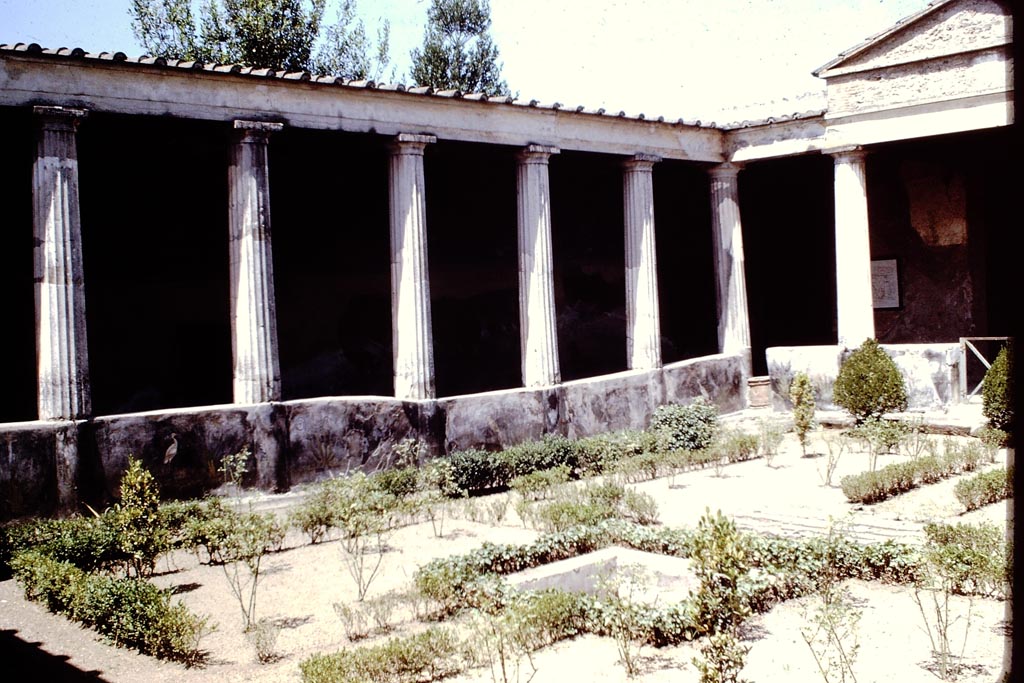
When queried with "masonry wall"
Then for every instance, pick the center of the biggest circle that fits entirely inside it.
(54, 467)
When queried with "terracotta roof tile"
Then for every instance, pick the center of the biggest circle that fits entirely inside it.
(146, 61)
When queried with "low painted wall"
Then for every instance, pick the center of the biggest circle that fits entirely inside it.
(53, 467)
(931, 372)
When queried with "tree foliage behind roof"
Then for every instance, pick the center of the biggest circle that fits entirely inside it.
(274, 34)
(457, 51)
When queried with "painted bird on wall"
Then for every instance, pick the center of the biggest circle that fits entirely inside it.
(172, 450)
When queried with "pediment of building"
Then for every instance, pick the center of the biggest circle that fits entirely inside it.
(943, 29)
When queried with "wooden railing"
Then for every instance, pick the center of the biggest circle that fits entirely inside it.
(965, 344)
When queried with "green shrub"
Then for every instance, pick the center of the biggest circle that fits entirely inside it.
(997, 391)
(476, 470)
(983, 489)
(539, 485)
(564, 514)
(551, 615)
(400, 482)
(801, 393)
(719, 553)
(869, 383)
(595, 454)
(692, 427)
(641, 467)
(175, 516)
(737, 445)
(318, 513)
(138, 524)
(89, 543)
(552, 450)
(131, 612)
(969, 558)
(427, 656)
(866, 487)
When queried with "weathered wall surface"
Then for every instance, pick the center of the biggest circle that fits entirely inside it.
(46, 467)
(28, 478)
(920, 218)
(930, 372)
(345, 434)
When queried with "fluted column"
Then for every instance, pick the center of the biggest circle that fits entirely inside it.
(411, 337)
(730, 279)
(257, 372)
(537, 328)
(643, 327)
(61, 349)
(854, 304)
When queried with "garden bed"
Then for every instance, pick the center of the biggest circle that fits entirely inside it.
(303, 581)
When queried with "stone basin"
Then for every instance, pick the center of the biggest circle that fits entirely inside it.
(667, 579)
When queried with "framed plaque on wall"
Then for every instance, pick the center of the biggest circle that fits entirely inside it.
(885, 283)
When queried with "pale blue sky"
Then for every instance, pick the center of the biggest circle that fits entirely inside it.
(706, 59)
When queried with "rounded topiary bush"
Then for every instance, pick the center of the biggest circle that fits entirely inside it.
(692, 427)
(869, 383)
(997, 402)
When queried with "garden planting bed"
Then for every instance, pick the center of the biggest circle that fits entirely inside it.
(303, 581)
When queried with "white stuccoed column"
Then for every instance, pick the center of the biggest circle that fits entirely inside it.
(61, 350)
(411, 336)
(257, 372)
(730, 278)
(537, 327)
(854, 303)
(643, 326)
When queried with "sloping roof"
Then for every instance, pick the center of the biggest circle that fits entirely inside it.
(878, 38)
(148, 62)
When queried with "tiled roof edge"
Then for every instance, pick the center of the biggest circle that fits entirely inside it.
(146, 61)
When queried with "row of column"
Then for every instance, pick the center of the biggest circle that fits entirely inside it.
(59, 284)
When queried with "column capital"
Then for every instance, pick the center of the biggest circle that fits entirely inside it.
(410, 143)
(536, 154)
(59, 118)
(847, 153)
(641, 162)
(256, 131)
(728, 169)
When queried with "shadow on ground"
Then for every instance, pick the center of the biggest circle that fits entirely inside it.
(24, 661)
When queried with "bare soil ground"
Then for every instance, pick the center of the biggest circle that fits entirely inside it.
(303, 581)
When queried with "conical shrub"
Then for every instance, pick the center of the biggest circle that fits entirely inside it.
(869, 383)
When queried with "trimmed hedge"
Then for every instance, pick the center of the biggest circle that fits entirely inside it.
(897, 478)
(985, 488)
(427, 656)
(787, 568)
(131, 612)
